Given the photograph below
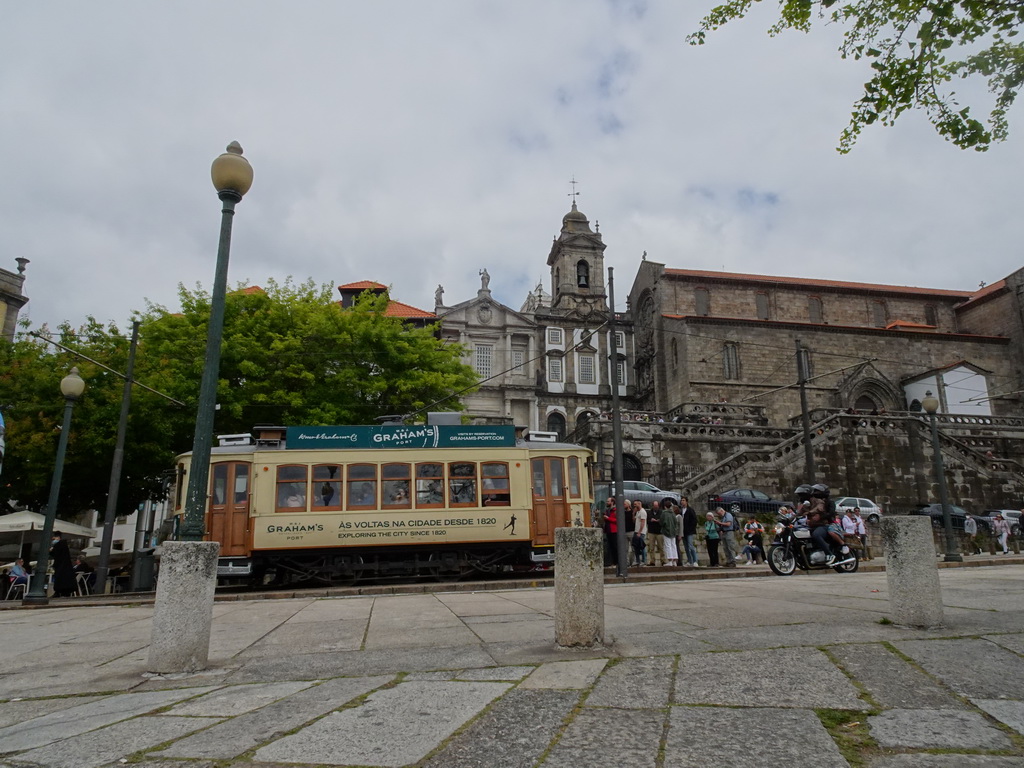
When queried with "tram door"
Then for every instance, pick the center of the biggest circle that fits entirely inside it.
(549, 508)
(229, 507)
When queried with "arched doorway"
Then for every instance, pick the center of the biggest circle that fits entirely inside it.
(583, 418)
(866, 403)
(556, 424)
(632, 469)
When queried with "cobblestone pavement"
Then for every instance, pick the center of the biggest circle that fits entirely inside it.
(804, 671)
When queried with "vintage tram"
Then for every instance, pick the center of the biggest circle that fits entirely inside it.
(332, 505)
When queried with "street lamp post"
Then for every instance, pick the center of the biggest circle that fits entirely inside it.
(232, 177)
(71, 386)
(931, 405)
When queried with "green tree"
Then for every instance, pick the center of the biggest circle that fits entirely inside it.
(915, 49)
(290, 355)
(30, 374)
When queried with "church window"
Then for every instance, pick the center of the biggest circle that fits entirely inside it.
(554, 369)
(620, 372)
(703, 297)
(556, 424)
(731, 361)
(554, 335)
(931, 315)
(484, 354)
(814, 312)
(587, 369)
(518, 359)
(675, 353)
(582, 274)
(620, 340)
(761, 300)
(878, 314)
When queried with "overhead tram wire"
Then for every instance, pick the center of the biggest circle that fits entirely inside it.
(120, 375)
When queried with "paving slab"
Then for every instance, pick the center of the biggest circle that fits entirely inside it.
(310, 637)
(892, 682)
(936, 729)
(944, 761)
(635, 684)
(971, 667)
(657, 643)
(1010, 713)
(393, 727)
(565, 674)
(86, 717)
(115, 742)
(18, 711)
(494, 673)
(803, 678)
(248, 731)
(544, 652)
(237, 699)
(1012, 642)
(313, 666)
(713, 736)
(609, 738)
(513, 734)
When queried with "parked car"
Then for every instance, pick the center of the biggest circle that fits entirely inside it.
(934, 511)
(633, 490)
(870, 511)
(986, 518)
(745, 501)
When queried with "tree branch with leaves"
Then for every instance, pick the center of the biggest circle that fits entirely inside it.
(916, 49)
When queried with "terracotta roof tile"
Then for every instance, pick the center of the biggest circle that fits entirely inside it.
(362, 285)
(985, 293)
(897, 324)
(811, 282)
(398, 309)
(250, 290)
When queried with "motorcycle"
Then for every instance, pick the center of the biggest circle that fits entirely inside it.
(794, 548)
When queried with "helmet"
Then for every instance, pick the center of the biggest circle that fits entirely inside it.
(803, 492)
(820, 491)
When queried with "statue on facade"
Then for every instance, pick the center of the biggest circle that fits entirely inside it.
(438, 294)
(485, 280)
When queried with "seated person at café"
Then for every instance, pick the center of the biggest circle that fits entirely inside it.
(88, 573)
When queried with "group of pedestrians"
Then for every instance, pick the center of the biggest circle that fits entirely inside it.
(666, 534)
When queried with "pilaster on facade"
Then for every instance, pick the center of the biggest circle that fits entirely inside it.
(11, 298)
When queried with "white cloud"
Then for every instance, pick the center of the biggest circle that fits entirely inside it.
(414, 143)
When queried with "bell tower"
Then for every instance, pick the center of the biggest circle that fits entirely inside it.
(577, 268)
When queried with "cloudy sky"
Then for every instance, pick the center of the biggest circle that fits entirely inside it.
(415, 142)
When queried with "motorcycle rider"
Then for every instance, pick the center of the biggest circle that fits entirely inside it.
(813, 503)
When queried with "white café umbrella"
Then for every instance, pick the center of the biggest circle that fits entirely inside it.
(33, 521)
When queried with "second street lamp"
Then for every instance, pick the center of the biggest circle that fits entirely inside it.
(931, 405)
(71, 386)
(232, 177)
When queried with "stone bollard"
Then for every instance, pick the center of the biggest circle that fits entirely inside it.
(911, 571)
(183, 614)
(579, 587)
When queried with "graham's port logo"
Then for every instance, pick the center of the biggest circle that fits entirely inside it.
(295, 528)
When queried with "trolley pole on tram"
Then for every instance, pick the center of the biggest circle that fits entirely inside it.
(620, 543)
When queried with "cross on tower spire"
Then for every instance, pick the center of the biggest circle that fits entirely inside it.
(574, 194)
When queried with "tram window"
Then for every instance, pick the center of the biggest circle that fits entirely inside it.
(291, 488)
(429, 485)
(326, 486)
(395, 486)
(362, 486)
(462, 484)
(574, 477)
(241, 483)
(495, 490)
(557, 486)
(219, 491)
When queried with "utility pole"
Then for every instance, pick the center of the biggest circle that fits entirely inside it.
(622, 559)
(802, 374)
(115, 468)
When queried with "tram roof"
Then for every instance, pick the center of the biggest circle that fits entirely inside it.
(280, 445)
